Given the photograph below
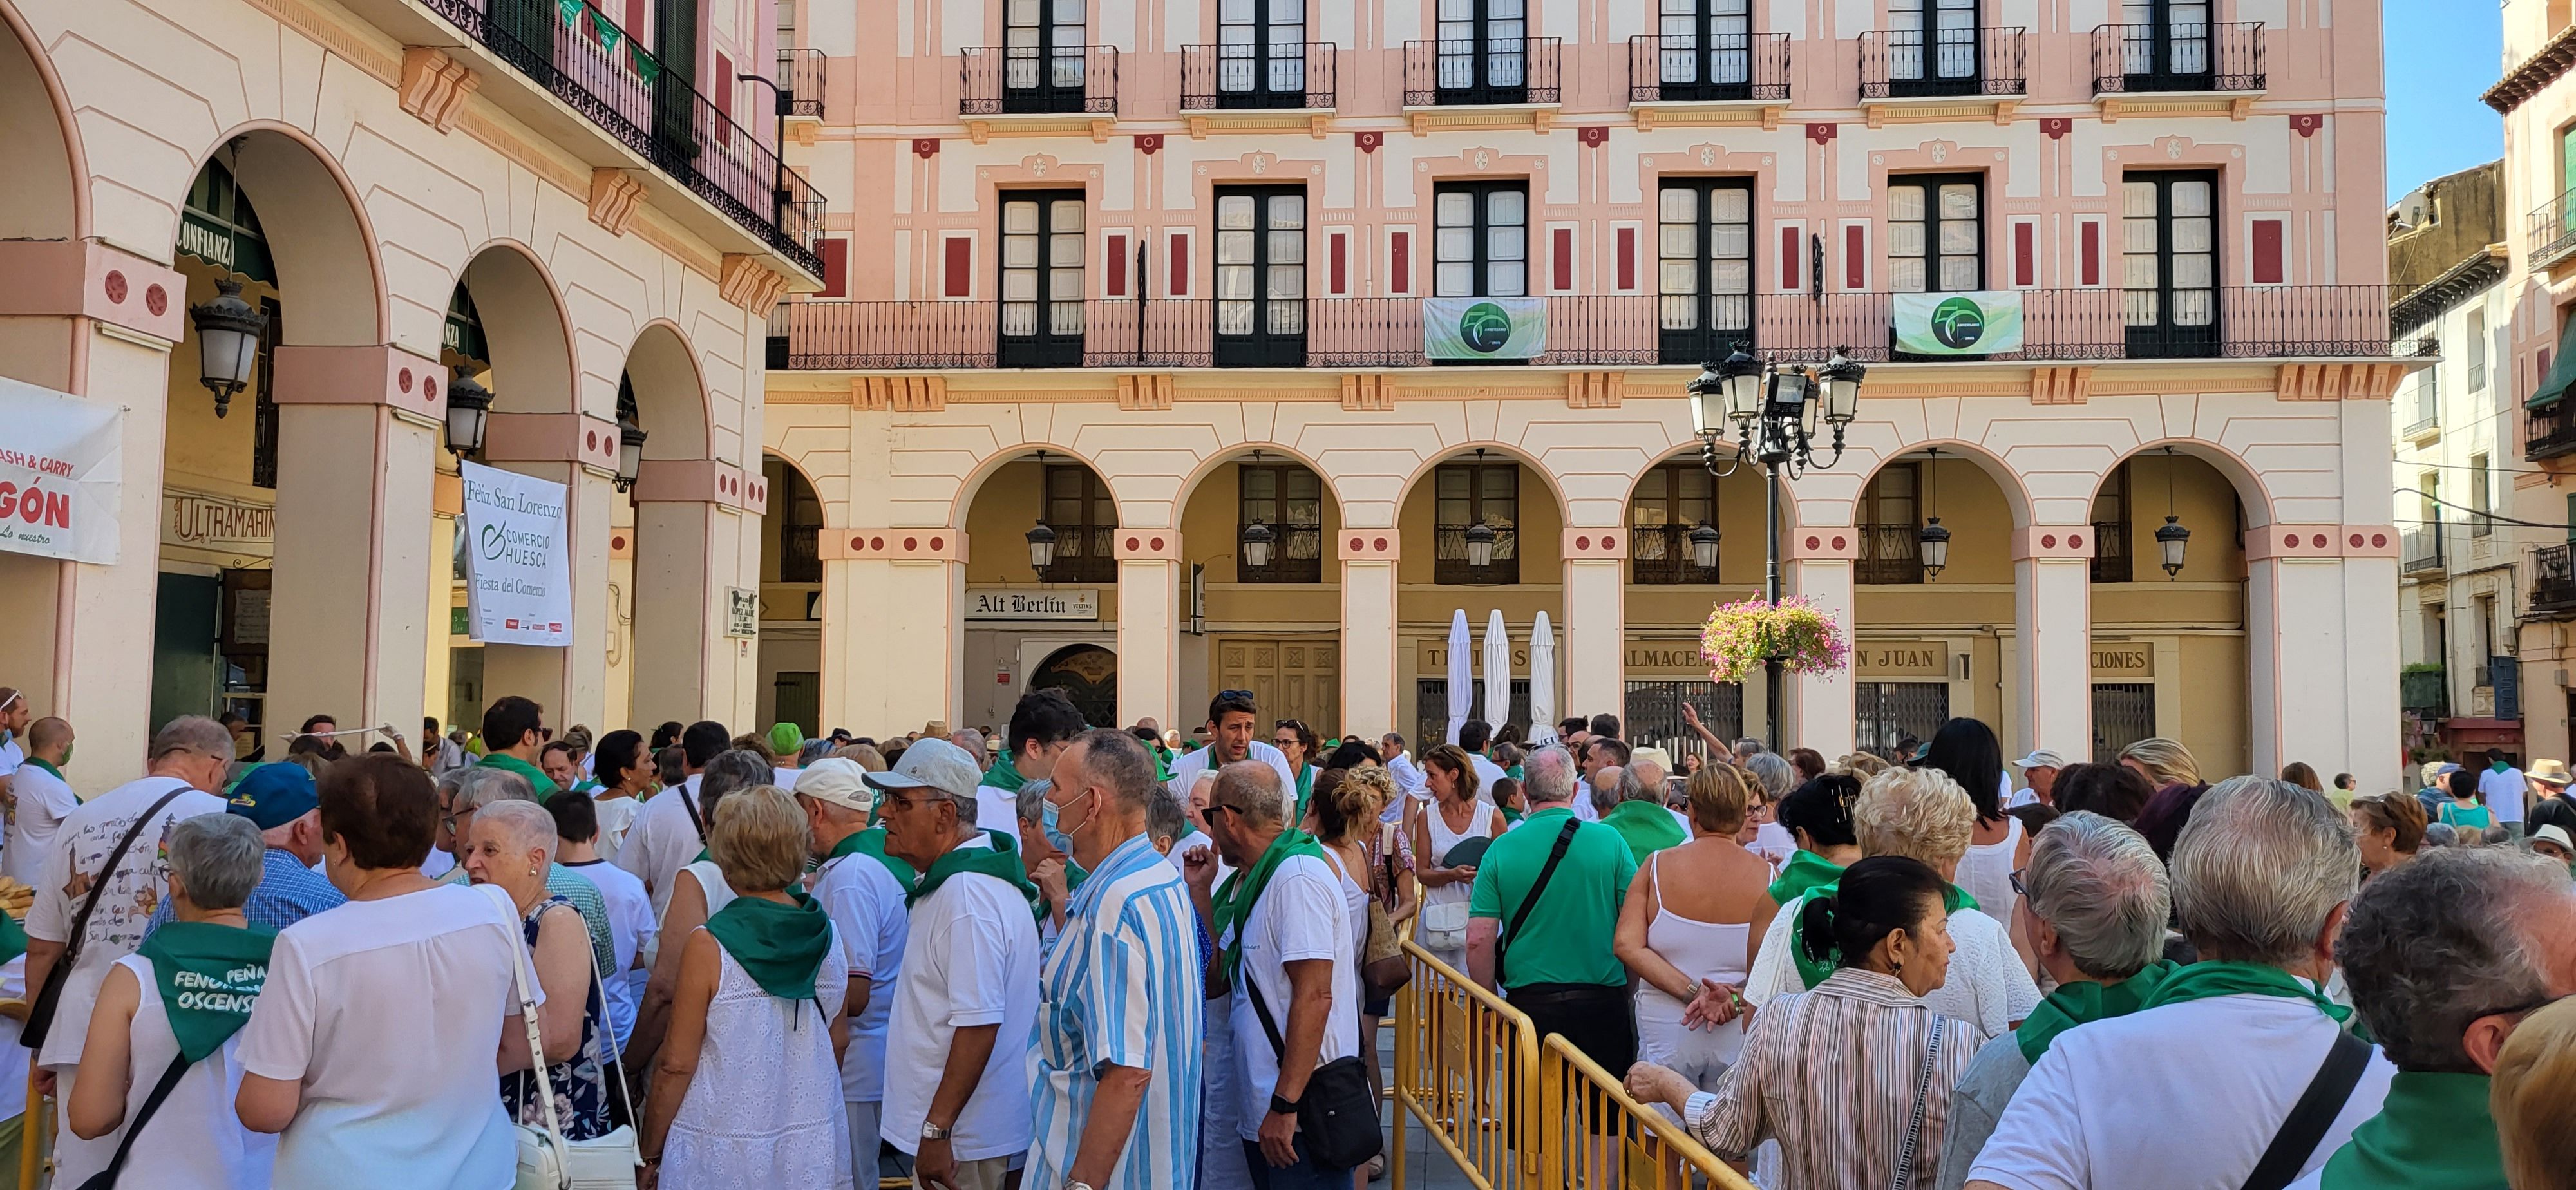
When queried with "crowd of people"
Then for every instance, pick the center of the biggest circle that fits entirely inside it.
(1057, 956)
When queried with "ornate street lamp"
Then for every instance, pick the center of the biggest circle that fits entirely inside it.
(1703, 546)
(2171, 537)
(1041, 547)
(228, 333)
(630, 453)
(1480, 545)
(468, 403)
(1934, 541)
(1257, 539)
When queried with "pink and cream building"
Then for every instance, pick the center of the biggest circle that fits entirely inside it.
(1154, 274)
(578, 207)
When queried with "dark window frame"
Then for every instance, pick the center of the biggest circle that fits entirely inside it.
(2113, 560)
(1702, 339)
(1263, 56)
(1290, 537)
(1045, 345)
(1484, 51)
(1482, 226)
(1449, 566)
(1084, 549)
(1659, 553)
(1890, 551)
(2165, 335)
(1933, 256)
(1262, 346)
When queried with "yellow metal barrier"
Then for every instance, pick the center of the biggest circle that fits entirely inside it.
(1597, 1136)
(1465, 1062)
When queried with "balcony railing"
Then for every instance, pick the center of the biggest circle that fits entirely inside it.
(1660, 555)
(2553, 230)
(1913, 63)
(2553, 578)
(2270, 322)
(1295, 76)
(2420, 549)
(1685, 68)
(1496, 70)
(1030, 81)
(800, 83)
(799, 561)
(1890, 555)
(2427, 692)
(654, 111)
(2143, 58)
(2549, 432)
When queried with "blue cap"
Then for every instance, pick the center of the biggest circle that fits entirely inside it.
(274, 795)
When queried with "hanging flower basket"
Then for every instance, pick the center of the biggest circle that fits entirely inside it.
(1739, 637)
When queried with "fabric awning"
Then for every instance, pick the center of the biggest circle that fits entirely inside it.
(2562, 371)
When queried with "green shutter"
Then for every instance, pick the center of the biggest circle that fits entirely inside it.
(2562, 370)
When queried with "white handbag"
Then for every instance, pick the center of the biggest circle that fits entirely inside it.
(546, 1160)
(1444, 925)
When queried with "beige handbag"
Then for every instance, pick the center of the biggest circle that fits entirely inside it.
(546, 1160)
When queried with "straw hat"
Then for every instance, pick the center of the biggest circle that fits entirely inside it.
(2550, 772)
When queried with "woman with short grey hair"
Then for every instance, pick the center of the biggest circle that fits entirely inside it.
(512, 847)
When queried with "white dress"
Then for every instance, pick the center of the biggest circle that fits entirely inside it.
(1479, 826)
(764, 1109)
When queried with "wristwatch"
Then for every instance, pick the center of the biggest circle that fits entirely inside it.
(930, 1131)
(1284, 1107)
(1070, 1184)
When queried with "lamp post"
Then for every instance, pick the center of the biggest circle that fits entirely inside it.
(1776, 413)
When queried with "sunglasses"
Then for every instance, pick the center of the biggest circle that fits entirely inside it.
(1232, 695)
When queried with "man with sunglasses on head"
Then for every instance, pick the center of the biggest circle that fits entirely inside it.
(1233, 731)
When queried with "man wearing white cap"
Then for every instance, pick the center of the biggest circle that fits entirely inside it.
(2039, 772)
(2554, 842)
(862, 890)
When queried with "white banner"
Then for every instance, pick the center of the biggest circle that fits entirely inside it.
(518, 569)
(62, 463)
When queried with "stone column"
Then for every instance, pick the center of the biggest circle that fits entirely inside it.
(1817, 563)
(1372, 656)
(1150, 582)
(100, 324)
(580, 452)
(359, 434)
(690, 516)
(894, 628)
(2321, 629)
(1596, 623)
(2053, 639)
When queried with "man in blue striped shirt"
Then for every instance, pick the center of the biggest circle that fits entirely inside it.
(1116, 1095)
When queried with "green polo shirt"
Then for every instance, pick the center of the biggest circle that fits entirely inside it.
(1567, 937)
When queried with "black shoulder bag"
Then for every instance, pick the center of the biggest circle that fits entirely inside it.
(2313, 1115)
(105, 1179)
(40, 1014)
(1338, 1114)
(1546, 872)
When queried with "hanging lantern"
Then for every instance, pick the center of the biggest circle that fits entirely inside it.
(1703, 546)
(1934, 540)
(228, 333)
(1041, 547)
(2171, 537)
(630, 453)
(1257, 539)
(1840, 381)
(1480, 545)
(468, 402)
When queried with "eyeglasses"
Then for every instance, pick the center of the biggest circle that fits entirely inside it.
(886, 798)
(2019, 889)
(2519, 1009)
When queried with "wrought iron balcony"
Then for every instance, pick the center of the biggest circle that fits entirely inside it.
(2549, 433)
(2553, 230)
(583, 57)
(800, 83)
(1685, 68)
(1914, 63)
(2553, 578)
(2420, 549)
(1294, 76)
(1031, 81)
(2427, 692)
(1495, 70)
(2132, 59)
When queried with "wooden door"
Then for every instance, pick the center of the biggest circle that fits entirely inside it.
(1296, 678)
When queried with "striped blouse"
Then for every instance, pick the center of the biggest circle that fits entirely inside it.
(1832, 1074)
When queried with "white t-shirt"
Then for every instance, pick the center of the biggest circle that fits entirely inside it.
(195, 1138)
(970, 957)
(616, 816)
(1301, 915)
(2189, 1094)
(631, 931)
(1487, 772)
(43, 802)
(997, 810)
(1583, 807)
(389, 1013)
(133, 891)
(1186, 770)
(662, 841)
(1987, 986)
(866, 907)
(11, 756)
(2505, 792)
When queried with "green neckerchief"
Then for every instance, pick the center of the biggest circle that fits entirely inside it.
(538, 782)
(1001, 861)
(2433, 1132)
(586, 785)
(1516, 772)
(1510, 815)
(2084, 1002)
(13, 938)
(1162, 763)
(779, 946)
(48, 766)
(1805, 870)
(871, 843)
(1953, 899)
(209, 975)
(1003, 775)
(1241, 891)
(1305, 789)
(2215, 977)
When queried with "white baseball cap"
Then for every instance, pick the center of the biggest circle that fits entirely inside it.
(2041, 758)
(838, 781)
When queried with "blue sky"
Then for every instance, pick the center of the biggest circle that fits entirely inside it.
(2441, 55)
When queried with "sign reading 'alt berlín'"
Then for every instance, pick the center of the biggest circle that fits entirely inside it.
(1003, 603)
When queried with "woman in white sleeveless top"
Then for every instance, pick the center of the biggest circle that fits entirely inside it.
(1967, 750)
(1455, 814)
(1683, 931)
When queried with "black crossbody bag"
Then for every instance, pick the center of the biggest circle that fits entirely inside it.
(1338, 1116)
(40, 1014)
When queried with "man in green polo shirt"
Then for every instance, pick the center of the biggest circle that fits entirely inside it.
(1557, 965)
(514, 730)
